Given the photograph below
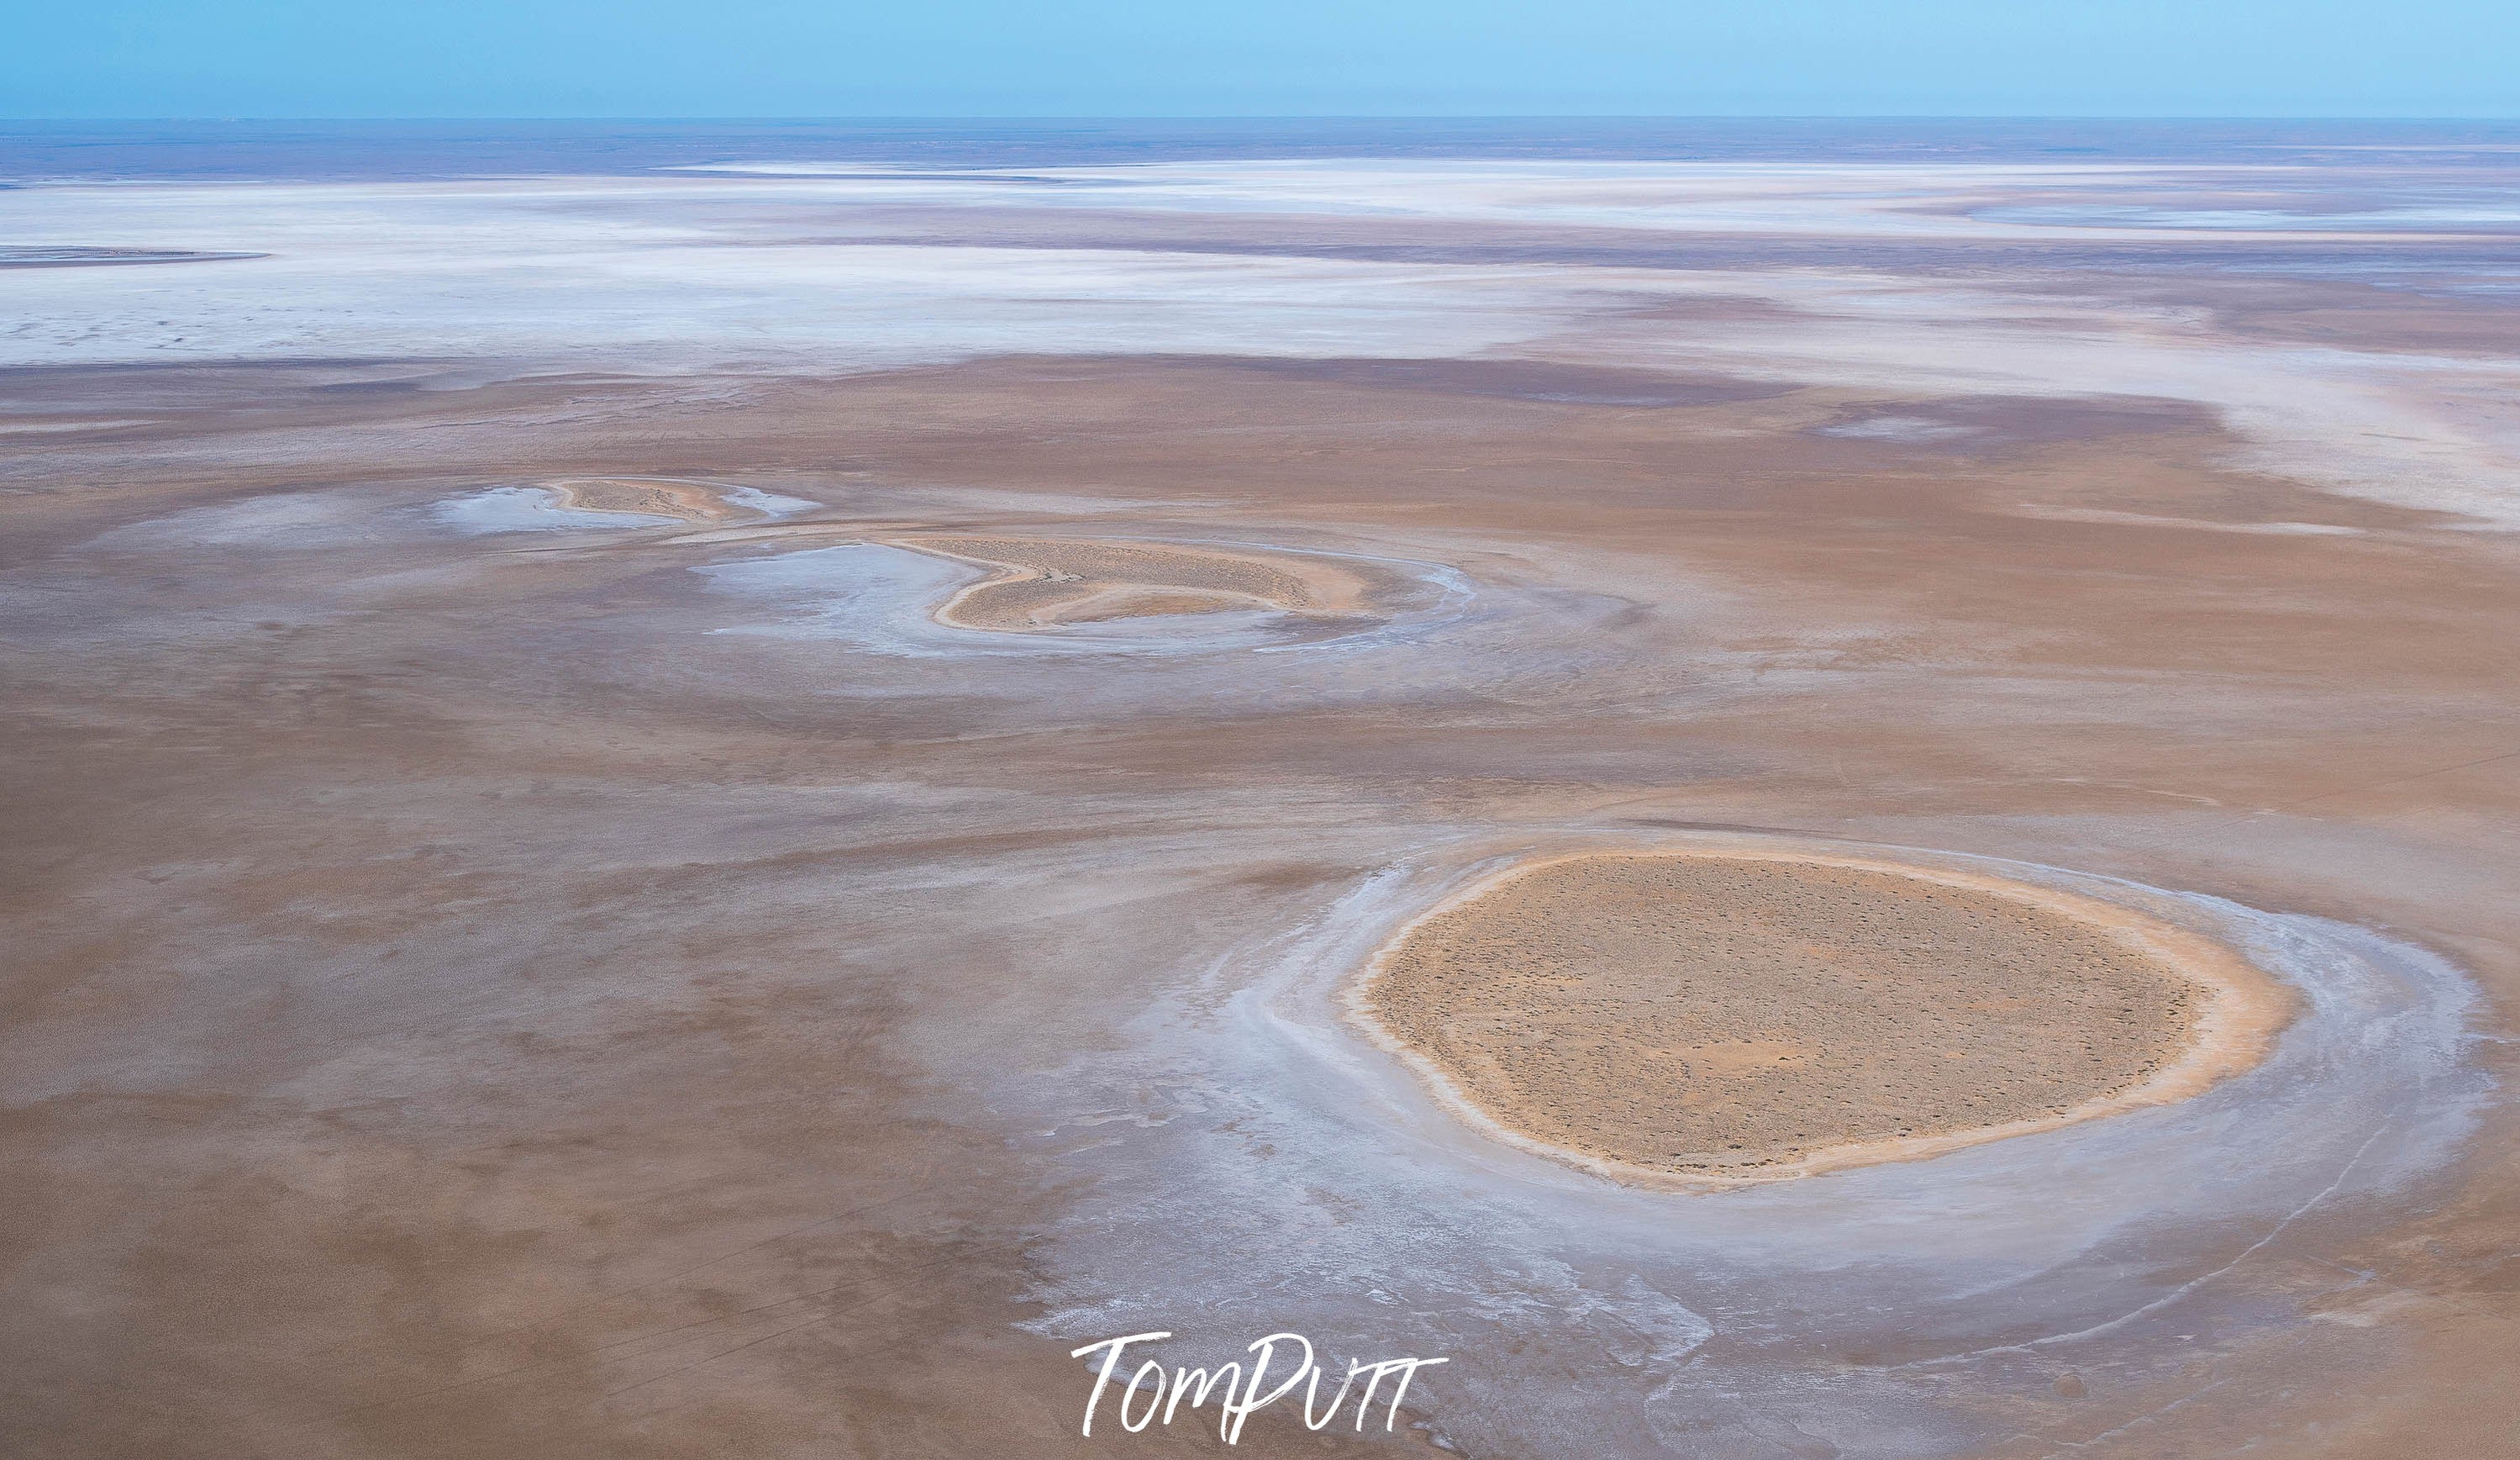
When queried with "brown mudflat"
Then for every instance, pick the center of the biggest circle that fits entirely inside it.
(461, 1003)
(1701, 1014)
(1044, 582)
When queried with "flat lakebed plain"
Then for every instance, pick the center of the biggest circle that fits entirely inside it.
(1800, 789)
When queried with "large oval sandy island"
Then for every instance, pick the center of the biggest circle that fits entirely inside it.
(1702, 1017)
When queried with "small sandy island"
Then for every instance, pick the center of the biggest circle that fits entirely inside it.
(684, 501)
(1700, 1017)
(1045, 582)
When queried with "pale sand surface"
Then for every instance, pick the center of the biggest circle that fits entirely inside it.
(1043, 583)
(1744, 1015)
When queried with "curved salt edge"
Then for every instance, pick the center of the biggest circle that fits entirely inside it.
(2080, 1243)
(883, 598)
(532, 509)
(771, 505)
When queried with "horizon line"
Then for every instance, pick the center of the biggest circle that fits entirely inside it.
(1001, 119)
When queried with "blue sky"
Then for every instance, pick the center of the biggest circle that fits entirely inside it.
(1116, 57)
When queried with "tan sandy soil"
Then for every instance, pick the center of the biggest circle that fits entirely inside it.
(1043, 583)
(686, 501)
(1762, 1016)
